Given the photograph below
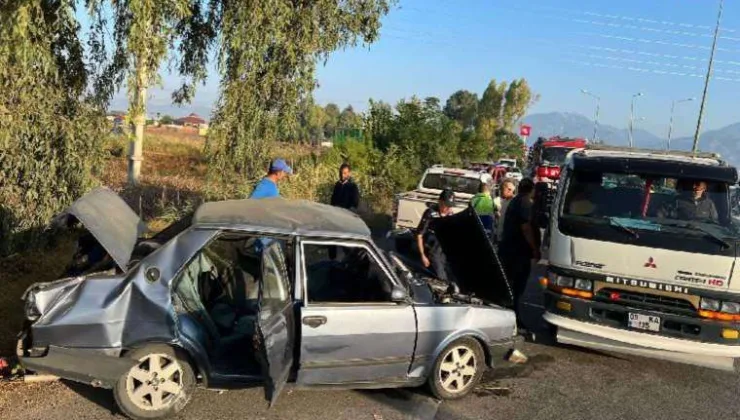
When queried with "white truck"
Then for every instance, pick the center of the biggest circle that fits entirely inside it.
(408, 207)
(643, 256)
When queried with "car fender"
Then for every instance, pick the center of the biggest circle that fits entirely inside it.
(477, 334)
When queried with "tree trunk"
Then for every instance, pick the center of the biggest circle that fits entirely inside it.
(139, 119)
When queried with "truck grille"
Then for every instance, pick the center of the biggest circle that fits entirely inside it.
(648, 301)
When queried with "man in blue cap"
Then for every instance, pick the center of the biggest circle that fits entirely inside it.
(267, 187)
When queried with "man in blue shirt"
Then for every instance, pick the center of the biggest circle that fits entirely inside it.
(267, 187)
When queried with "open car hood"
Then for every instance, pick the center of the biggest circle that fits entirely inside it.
(110, 220)
(472, 258)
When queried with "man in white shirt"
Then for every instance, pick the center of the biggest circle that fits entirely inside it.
(507, 191)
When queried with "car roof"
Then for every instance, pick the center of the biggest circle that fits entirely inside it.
(604, 151)
(282, 216)
(454, 171)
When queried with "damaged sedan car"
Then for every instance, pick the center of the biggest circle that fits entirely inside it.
(257, 293)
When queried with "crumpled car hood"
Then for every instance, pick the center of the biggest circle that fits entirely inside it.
(470, 254)
(110, 220)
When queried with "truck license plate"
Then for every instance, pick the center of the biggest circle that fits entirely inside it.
(644, 322)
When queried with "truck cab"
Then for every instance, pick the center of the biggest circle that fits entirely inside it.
(642, 253)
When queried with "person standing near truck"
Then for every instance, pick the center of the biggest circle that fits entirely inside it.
(520, 240)
(432, 255)
(501, 203)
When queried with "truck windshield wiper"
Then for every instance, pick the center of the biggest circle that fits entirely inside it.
(613, 221)
(700, 228)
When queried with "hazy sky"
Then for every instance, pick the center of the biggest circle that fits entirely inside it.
(614, 49)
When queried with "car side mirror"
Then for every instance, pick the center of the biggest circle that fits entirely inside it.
(399, 294)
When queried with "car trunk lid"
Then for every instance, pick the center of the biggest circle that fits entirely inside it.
(110, 220)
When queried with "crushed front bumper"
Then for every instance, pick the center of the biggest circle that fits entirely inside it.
(499, 351)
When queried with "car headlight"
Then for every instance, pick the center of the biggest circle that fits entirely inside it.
(583, 284)
(710, 304)
(562, 281)
(32, 313)
(730, 307)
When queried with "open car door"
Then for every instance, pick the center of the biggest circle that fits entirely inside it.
(470, 253)
(276, 321)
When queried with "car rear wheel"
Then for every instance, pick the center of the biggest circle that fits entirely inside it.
(160, 385)
(458, 369)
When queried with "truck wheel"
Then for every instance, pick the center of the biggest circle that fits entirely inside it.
(159, 386)
(458, 369)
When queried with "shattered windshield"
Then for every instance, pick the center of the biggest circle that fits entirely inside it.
(633, 202)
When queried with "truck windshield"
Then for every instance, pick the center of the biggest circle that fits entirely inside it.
(555, 155)
(457, 183)
(634, 203)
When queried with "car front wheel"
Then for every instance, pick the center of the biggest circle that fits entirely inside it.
(160, 385)
(458, 369)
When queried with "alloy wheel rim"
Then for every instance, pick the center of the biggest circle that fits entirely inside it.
(155, 383)
(457, 370)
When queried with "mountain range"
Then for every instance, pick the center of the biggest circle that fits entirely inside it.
(725, 141)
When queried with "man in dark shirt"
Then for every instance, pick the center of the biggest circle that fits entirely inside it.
(429, 247)
(346, 194)
(520, 239)
(691, 204)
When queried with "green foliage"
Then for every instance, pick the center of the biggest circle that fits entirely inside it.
(166, 120)
(267, 63)
(518, 100)
(507, 144)
(50, 140)
(462, 107)
(332, 119)
(348, 119)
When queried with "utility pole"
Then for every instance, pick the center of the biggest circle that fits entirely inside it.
(709, 76)
(596, 118)
(632, 115)
(670, 124)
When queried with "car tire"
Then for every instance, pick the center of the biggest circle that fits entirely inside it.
(148, 391)
(458, 369)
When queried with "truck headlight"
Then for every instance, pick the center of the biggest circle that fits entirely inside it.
(562, 281)
(731, 307)
(583, 284)
(709, 304)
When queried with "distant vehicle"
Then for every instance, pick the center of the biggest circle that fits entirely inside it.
(547, 155)
(408, 207)
(245, 292)
(511, 163)
(636, 264)
(515, 174)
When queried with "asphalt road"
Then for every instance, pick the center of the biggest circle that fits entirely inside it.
(557, 383)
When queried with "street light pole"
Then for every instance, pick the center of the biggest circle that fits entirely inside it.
(670, 124)
(632, 116)
(596, 118)
(709, 75)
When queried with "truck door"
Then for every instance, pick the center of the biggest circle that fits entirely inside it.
(276, 323)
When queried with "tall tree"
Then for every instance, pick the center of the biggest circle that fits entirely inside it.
(268, 60)
(492, 102)
(144, 32)
(51, 137)
(348, 119)
(518, 99)
(332, 119)
(462, 106)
